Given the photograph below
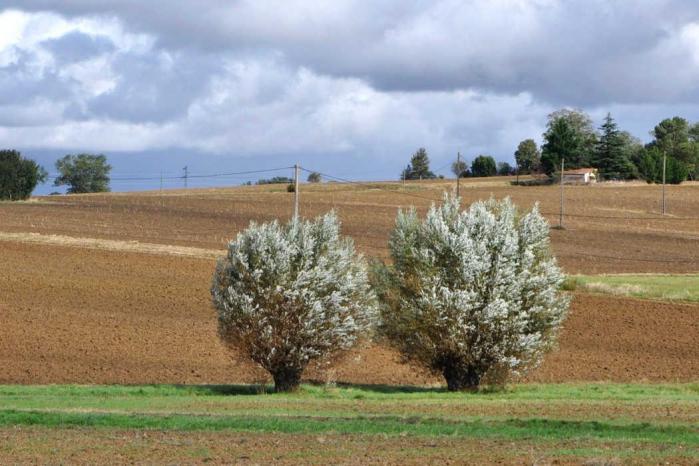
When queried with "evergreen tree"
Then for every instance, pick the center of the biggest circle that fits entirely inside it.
(419, 167)
(561, 142)
(586, 136)
(651, 167)
(610, 157)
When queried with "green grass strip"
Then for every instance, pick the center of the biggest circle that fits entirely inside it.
(663, 287)
(537, 392)
(537, 429)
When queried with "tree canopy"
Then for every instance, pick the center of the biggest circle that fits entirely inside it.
(569, 135)
(484, 165)
(610, 156)
(471, 292)
(290, 294)
(18, 176)
(527, 156)
(419, 167)
(460, 168)
(83, 173)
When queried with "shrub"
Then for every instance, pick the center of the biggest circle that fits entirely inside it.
(287, 295)
(471, 293)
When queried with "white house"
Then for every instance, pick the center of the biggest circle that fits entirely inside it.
(580, 176)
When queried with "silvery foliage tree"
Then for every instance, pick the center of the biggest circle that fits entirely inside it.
(472, 292)
(290, 294)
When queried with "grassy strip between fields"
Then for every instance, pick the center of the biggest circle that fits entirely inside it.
(541, 429)
(664, 287)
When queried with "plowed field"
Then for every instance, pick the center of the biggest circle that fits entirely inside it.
(75, 315)
(608, 228)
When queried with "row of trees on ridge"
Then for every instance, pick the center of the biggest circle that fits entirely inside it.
(571, 135)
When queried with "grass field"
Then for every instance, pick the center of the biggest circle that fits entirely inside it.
(647, 286)
(562, 422)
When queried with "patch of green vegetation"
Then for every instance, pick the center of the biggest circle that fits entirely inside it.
(656, 286)
(509, 429)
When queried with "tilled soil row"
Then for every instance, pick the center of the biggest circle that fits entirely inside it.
(73, 315)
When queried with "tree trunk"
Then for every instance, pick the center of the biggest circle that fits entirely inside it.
(286, 379)
(461, 378)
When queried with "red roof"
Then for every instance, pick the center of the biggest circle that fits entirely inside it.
(580, 171)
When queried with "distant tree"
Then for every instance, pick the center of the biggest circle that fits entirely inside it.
(569, 135)
(527, 156)
(314, 177)
(18, 176)
(505, 169)
(561, 143)
(287, 295)
(419, 167)
(633, 149)
(83, 173)
(610, 158)
(460, 168)
(471, 294)
(651, 167)
(275, 180)
(484, 165)
(677, 138)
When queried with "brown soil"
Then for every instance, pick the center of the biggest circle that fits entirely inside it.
(609, 228)
(73, 315)
(57, 446)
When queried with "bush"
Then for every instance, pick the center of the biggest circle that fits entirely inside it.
(471, 293)
(18, 176)
(287, 295)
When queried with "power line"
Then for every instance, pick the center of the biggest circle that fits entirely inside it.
(367, 185)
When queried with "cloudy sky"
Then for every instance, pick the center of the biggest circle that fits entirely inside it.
(350, 87)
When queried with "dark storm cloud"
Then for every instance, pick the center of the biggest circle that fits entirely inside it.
(577, 52)
(155, 87)
(22, 81)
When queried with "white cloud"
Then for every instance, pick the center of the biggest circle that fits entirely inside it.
(345, 77)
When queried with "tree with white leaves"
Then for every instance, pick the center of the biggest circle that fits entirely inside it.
(472, 293)
(290, 294)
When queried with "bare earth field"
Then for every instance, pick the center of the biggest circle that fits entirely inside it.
(609, 228)
(129, 302)
(114, 289)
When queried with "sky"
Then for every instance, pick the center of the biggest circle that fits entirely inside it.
(349, 87)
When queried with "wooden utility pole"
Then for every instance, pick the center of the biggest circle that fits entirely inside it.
(560, 216)
(664, 163)
(296, 191)
(458, 172)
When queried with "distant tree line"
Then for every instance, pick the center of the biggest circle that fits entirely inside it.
(571, 136)
(617, 154)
